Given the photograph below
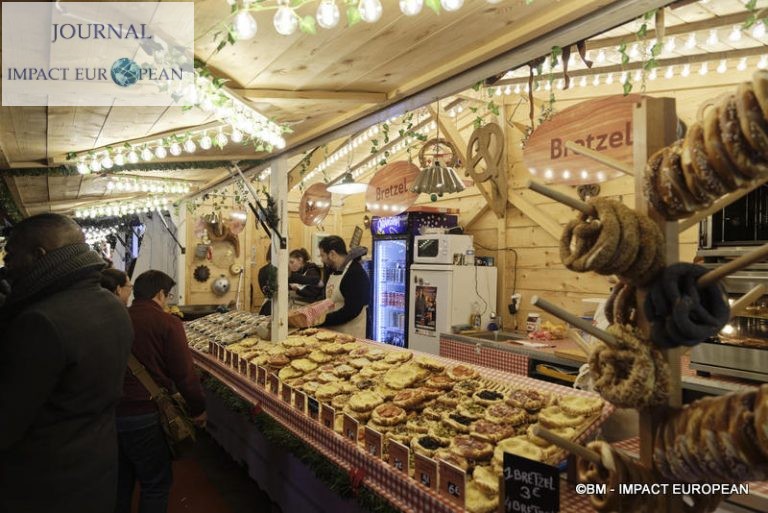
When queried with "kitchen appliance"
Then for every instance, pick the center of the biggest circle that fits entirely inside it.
(445, 295)
(742, 223)
(392, 256)
(441, 248)
(741, 348)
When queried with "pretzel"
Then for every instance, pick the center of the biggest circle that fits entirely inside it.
(716, 152)
(606, 233)
(751, 121)
(629, 240)
(746, 161)
(650, 256)
(681, 312)
(696, 166)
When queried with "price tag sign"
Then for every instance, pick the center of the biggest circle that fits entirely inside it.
(452, 482)
(286, 393)
(351, 428)
(274, 383)
(300, 401)
(530, 486)
(235, 361)
(212, 348)
(374, 442)
(399, 455)
(252, 371)
(426, 471)
(261, 377)
(327, 416)
(313, 408)
(243, 366)
(227, 357)
(219, 352)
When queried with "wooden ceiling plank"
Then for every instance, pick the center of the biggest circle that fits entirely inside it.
(316, 95)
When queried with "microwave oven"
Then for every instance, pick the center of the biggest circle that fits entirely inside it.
(742, 223)
(440, 248)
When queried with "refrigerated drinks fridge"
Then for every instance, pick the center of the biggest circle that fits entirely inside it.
(392, 256)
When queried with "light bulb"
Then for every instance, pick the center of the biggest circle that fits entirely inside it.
(704, 69)
(670, 46)
(328, 14)
(548, 174)
(670, 72)
(742, 64)
(285, 20)
(690, 43)
(175, 149)
(121, 186)
(517, 88)
(133, 157)
(120, 159)
(584, 174)
(161, 152)
(221, 139)
(190, 146)
(110, 186)
(634, 51)
(722, 67)
(82, 168)
(548, 86)
(759, 30)
(600, 176)
(95, 166)
(638, 75)
(146, 155)
(207, 104)
(712, 40)
(763, 62)
(601, 57)
(370, 10)
(583, 82)
(623, 78)
(411, 7)
(609, 79)
(206, 142)
(245, 26)
(686, 70)
(236, 136)
(735, 34)
(507, 90)
(596, 81)
(653, 74)
(566, 175)
(107, 163)
(560, 84)
(451, 5)
(498, 91)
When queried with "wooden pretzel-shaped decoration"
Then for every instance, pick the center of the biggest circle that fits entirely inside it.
(485, 144)
(436, 143)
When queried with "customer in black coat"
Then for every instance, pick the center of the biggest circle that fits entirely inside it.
(63, 352)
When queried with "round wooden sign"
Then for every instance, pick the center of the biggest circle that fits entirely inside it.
(315, 204)
(389, 191)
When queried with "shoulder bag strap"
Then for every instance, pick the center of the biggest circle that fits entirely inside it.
(140, 372)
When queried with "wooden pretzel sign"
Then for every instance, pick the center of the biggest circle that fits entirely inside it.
(485, 158)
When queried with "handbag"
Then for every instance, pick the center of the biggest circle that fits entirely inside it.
(174, 417)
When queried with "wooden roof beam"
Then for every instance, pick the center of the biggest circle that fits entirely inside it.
(315, 95)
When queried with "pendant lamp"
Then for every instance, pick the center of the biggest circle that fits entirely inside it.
(347, 185)
(438, 176)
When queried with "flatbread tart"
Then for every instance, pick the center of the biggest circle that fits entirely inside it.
(388, 414)
(325, 336)
(304, 365)
(471, 448)
(319, 357)
(398, 356)
(488, 480)
(555, 417)
(401, 377)
(520, 446)
(491, 432)
(410, 398)
(578, 405)
(365, 400)
(478, 501)
(461, 372)
(487, 397)
(288, 372)
(502, 412)
(426, 445)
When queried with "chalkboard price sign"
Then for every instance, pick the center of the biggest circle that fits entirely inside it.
(300, 401)
(252, 371)
(274, 383)
(261, 377)
(425, 471)
(286, 393)
(373, 442)
(399, 455)
(530, 486)
(313, 408)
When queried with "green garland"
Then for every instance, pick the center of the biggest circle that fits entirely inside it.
(71, 170)
(7, 204)
(332, 475)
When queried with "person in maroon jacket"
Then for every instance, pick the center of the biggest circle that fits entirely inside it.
(160, 344)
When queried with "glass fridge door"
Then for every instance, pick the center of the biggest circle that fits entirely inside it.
(390, 270)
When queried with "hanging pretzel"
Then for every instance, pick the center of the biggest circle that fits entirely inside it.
(485, 144)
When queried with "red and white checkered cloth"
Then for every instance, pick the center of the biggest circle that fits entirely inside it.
(315, 312)
(485, 356)
(400, 490)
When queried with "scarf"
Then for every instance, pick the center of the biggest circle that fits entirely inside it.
(55, 271)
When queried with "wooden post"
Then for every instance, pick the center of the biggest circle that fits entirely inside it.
(278, 188)
(655, 126)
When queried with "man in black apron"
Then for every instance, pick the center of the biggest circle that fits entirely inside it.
(348, 287)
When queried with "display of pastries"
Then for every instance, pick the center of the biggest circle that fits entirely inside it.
(445, 412)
